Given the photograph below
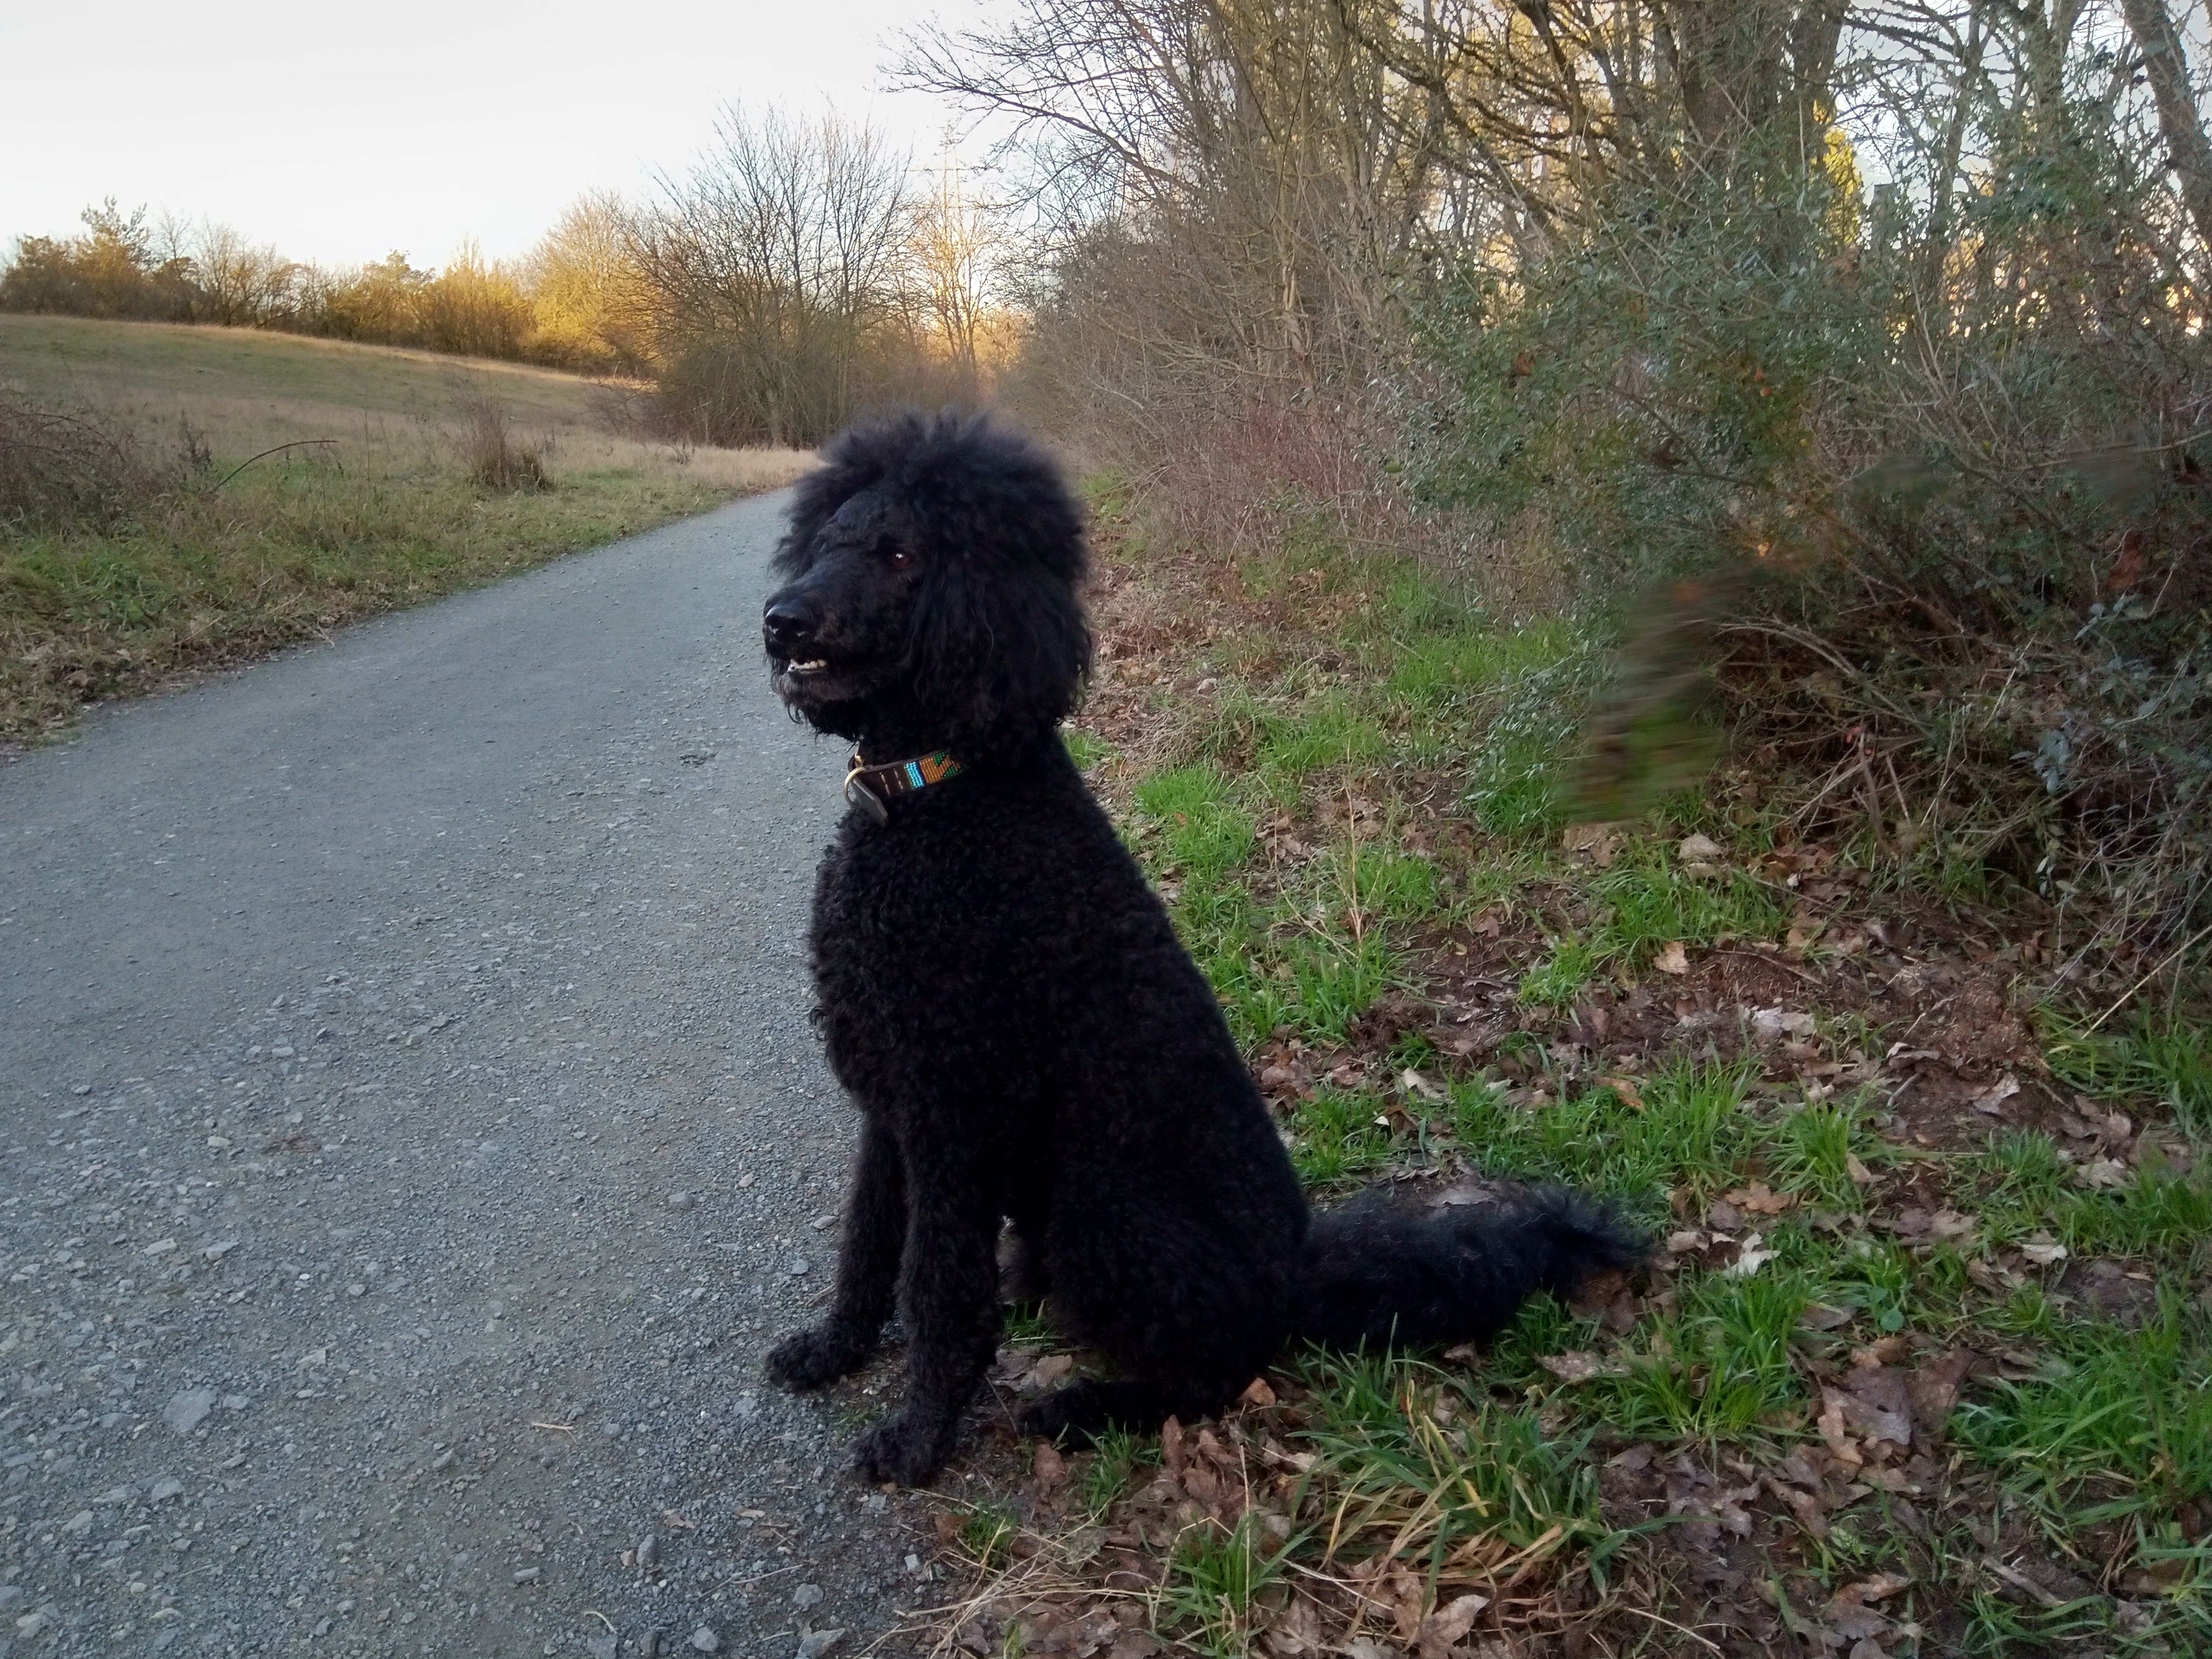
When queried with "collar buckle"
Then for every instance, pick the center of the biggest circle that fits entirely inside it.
(857, 794)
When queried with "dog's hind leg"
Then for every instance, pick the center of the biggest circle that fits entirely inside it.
(1079, 1413)
(952, 1309)
(867, 1272)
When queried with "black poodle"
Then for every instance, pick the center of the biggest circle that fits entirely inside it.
(1004, 997)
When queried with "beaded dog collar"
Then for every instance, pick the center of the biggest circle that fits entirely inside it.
(872, 786)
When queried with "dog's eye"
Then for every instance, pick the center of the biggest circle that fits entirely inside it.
(900, 558)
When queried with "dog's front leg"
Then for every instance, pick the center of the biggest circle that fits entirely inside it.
(867, 1272)
(951, 1305)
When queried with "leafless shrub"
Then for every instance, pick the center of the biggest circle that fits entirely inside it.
(497, 459)
(66, 466)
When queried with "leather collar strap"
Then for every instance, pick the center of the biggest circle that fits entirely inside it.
(871, 787)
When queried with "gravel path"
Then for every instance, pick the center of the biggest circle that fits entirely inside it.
(414, 1137)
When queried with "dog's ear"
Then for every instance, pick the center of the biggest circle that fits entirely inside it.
(1000, 655)
(999, 646)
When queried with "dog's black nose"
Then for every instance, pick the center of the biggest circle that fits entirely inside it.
(787, 624)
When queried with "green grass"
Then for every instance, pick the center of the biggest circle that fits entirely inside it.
(1203, 834)
(1116, 1455)
(2121, 1417)
(1215, 1579)
(1335, 1136)
(1649, 904)
(988, 1534)
(158, 369)
(1400, 1433)
(2155, 1057)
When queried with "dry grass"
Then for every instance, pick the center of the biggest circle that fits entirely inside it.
(255, 489)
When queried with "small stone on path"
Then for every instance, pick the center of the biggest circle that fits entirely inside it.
(185, 1409)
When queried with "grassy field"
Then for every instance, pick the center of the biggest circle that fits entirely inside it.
(204, 554)
(1923, 1363)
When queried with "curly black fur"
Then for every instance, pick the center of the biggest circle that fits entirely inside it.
(1002, 994)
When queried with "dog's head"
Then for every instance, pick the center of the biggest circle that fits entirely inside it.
(930, 595)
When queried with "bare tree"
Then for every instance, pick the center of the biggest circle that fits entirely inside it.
(957, 246)
(240, 284)
(770, 269)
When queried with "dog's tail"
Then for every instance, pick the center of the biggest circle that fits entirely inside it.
(1385, 1274)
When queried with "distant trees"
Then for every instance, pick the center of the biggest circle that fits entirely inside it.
(795, 274)
(588, 292)
(211, 274)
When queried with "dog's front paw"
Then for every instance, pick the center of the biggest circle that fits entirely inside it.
(901, 1450)
(813, 1358)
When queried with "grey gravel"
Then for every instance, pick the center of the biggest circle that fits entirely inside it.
(422, 961)
(705, 1640)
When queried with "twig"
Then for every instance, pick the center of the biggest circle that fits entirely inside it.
(297, 443)
(1642, 1613)
(2128, 995)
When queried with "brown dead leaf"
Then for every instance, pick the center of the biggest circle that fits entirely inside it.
(1817, 1316)
(1257, 1393)
(1761, 1200)
(1672, 958)
(1174, 1452)
(1447, 1625)
(1599, 843)
(1298, 1632)
(1852, 1621)
(1991, 1100)
(1049, 1468)
(1832, 1425)
(1933, 1388)
(1047, 1372)
(1630, 1097)
(1874, 1402)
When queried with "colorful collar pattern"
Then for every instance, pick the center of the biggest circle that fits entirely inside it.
(869, 787)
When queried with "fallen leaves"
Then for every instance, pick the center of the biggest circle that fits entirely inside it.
(1579, 1365)
(1672, 958)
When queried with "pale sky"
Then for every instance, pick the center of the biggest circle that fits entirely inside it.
(341, 132)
